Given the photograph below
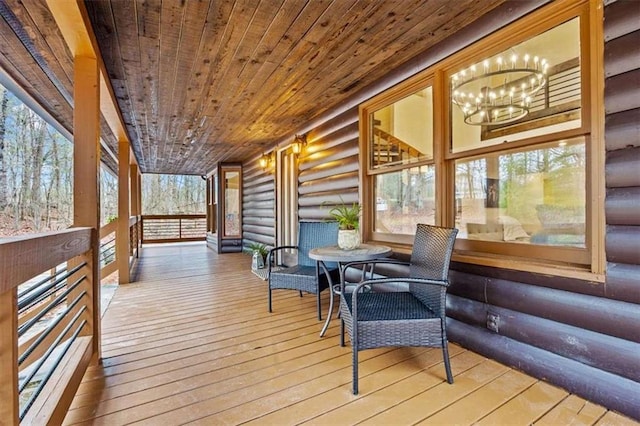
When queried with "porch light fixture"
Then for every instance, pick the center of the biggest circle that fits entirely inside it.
(265, 161)
(299, 143)
(498, 91)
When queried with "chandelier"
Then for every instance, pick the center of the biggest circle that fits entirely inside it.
(498, 91)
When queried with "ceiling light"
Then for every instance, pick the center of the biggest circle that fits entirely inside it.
(498, 91)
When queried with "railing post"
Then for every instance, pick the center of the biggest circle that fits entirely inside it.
(138, 235)
(9, 395)
(86, 164)
(123, 237)
(140, 225)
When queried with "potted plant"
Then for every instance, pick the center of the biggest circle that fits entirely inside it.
(348, 218)
(259, 253)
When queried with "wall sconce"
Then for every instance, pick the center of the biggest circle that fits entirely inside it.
(299, 143)
(265, 161)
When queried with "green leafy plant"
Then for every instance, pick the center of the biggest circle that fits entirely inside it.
(347, 216)
(257, 248)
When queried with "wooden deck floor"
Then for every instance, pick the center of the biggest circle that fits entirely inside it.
(192, 342)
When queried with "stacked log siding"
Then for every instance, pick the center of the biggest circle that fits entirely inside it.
(258, 205)
(329, 170)
(622, 140)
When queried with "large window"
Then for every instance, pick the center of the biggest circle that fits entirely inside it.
(507, 160)
(400, 147)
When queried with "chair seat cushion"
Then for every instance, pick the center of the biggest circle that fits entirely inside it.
(296, 270)
(298, 277)
(389, 306)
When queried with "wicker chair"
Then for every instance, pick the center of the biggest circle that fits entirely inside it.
(305, 276)
(415, 317)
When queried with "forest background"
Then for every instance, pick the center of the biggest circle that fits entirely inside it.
(36, 178)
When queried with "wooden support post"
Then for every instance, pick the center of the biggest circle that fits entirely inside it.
(9, 357)
(122, 232)
(86, 184)
(139, 194)
(134, 190)
(135, 205)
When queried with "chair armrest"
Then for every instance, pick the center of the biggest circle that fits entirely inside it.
(367, 263)
(375, 281)
(375, 262)
(438, 310)
(275, 249)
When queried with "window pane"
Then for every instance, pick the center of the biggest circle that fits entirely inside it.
(402, 133)
(535, 196)
(499, 99)
(232, 203)
(404, 199)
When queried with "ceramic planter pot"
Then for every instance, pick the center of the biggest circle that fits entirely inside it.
(348, 239)
(257, 261)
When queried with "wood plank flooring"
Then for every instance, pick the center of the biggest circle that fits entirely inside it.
(191, 342)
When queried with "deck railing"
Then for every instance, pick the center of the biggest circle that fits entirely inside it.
(135, 238)
(108, 241)
(107, 258)
(48, 331)
(173, 228)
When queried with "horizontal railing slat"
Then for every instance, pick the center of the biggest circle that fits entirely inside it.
(109, 228)
(23, 258)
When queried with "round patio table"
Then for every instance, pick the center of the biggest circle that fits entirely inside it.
(363, 253)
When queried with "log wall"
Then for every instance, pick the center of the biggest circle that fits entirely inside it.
(329, 167)
(583, 336)
(258, 205)
(622, 140)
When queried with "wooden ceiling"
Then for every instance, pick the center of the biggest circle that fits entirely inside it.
(199, 82)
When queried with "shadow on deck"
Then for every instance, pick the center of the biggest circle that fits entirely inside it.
(192, 341)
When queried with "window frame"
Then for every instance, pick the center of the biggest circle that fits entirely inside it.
(369, 174)
(585, 263)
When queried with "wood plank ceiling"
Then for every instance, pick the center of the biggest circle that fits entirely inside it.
(205, 81)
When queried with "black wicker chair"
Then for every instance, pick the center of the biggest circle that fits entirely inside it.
(305, 276)
(415, 317)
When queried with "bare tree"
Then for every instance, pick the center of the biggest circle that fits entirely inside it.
(38, 131)
(36, 177)
(4, 102)
(172, 194)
